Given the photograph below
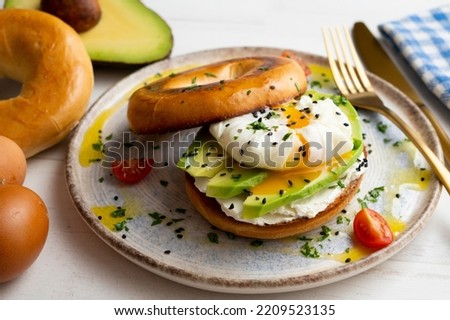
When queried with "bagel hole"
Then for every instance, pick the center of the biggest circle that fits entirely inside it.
(9, 88)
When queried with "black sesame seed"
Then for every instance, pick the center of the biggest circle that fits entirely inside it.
(307, 180)
(290, 183)
(231, 207)
(397, 195)
(264, 201)
(167, 252)
(422, 179)
(281, 192)
(348, 260)
(346, 124)
(274, 143)
(124, 236)
(100, 217)
(317, 116)
(272, 87)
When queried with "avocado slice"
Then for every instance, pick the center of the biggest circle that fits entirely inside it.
(128, 33)
(230, 182)
(204, 157)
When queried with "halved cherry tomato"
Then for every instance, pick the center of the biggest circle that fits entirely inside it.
(132, 170)
(371, 229)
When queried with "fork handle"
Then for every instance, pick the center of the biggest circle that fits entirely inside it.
(443, 137)
(438, 167)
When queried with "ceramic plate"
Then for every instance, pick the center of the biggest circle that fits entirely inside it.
(153, 224)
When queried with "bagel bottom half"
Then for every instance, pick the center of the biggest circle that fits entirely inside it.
(210, 209)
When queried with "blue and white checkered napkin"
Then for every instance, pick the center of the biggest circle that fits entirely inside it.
(424, 41)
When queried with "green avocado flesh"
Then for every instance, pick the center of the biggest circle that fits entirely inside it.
(204, 158)
(128, 32)
(229, 179)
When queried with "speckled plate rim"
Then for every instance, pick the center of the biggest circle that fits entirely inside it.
(220, 284)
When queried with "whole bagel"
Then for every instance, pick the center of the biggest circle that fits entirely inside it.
(214, 92)
(50, 60)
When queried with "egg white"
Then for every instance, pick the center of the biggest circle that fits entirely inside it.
(266, 138)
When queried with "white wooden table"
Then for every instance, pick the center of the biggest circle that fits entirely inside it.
(76, 264)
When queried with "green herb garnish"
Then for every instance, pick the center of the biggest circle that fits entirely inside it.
(309, 251)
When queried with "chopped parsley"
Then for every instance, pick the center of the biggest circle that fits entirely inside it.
(119, 212)
(213, 237)
(309, 251)
(325, 233)
(157, 217)
(341, 184)
(256, 243)
(382, 127)
(121, 226)
(316, 84)
(258, 125)
(286, 136)
(372, 196)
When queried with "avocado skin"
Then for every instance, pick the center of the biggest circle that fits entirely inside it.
(128, 34)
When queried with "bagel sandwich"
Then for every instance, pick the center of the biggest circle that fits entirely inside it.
(280, 161)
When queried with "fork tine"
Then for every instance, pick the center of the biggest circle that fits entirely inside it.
(338, 79)
(357, 61)
(343, 71)
(348, 65)
(341, 57)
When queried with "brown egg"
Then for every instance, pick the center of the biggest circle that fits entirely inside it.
(13, 163)
(23, 229)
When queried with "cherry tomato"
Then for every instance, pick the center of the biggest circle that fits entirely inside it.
(132, 170)
(371, 229)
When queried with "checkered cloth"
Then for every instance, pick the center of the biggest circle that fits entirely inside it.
(424, 41)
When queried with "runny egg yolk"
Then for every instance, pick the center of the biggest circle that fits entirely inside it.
(296, 141)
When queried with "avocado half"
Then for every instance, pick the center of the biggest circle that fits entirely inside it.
(128, 33)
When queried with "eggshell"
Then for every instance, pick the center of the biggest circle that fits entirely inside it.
(13, 163)
(23, 229)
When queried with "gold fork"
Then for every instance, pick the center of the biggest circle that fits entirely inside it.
(352, 81)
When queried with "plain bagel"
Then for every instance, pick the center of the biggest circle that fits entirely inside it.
(213, 93)
(50, 60)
